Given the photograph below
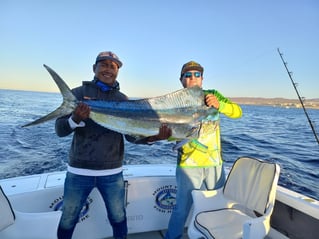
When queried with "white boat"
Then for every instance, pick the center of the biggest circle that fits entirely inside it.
(150, 198)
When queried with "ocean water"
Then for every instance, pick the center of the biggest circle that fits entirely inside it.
(270, 133)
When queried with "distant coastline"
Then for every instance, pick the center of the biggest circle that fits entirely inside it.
(277, 102)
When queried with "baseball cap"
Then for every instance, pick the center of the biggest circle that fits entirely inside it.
(108, 55)
(191, 65)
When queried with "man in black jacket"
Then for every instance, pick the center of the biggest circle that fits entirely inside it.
(96, 154)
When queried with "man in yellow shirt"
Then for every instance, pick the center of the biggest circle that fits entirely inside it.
(199, 162)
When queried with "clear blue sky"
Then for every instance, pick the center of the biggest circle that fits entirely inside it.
(236, 42)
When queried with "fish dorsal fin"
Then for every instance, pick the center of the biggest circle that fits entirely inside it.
(187, 97)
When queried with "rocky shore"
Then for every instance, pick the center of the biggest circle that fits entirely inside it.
(277, 102)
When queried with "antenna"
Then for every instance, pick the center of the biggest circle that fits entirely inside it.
(300, 99)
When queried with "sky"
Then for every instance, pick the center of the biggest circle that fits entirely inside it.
(235, 41)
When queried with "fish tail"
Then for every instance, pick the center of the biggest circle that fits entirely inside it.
(69, 100)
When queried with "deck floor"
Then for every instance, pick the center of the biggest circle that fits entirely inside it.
(152, 235)
(161, 234)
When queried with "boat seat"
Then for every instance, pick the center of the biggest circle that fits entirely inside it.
(15, 224)
(242, 208)
(7, 215)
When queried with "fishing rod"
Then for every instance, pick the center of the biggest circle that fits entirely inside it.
(300, 99)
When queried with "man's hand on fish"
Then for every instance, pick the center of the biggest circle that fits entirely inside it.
(164, 132)
(211, 101)
(81, 112)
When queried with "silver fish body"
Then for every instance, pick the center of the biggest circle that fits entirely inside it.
(182, 111)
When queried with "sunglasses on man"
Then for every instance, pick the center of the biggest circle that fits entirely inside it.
(196, 74)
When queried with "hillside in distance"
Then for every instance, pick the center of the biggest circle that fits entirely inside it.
(277, 102)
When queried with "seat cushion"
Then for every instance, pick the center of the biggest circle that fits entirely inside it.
(7, 215)
(221, 224)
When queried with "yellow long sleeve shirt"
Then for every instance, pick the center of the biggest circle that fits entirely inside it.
(206, 150)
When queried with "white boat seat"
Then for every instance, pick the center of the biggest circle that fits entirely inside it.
(15, 224)
(7, 215)
(242, 208)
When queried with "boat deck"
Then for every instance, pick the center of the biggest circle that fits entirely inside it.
(161, 235)
(153, 235)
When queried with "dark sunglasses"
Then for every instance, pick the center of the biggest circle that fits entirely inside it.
(190, 74)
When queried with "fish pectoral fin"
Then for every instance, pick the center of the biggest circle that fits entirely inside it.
(193, 132)
(180, 144)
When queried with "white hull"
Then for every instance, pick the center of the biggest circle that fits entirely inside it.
(150, 199)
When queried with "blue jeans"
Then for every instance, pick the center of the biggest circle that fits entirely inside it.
(76, 190)
(188, 179)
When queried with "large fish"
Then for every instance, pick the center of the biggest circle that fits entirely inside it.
(181, 110)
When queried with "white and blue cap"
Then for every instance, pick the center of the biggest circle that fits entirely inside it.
(108, 55)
